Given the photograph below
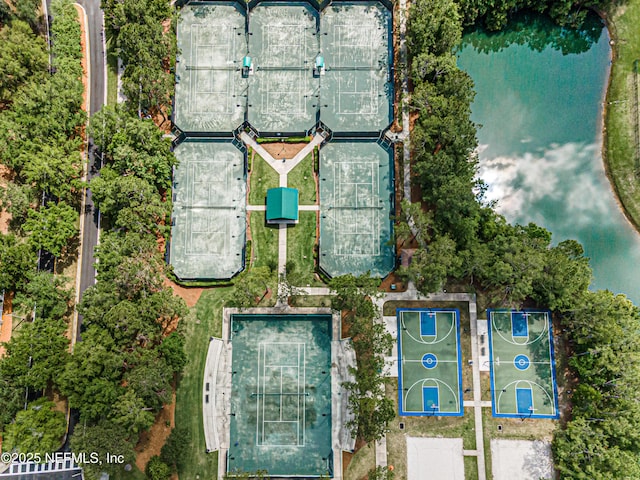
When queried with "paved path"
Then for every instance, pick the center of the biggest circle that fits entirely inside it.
(282, 167)
(477, 393)
(97, 71)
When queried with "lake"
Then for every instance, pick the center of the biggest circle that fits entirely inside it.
(540, 93)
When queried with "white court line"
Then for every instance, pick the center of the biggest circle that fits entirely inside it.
(229, 43)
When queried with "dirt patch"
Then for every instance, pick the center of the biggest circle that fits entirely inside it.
(281, 150)
(6, 176)
(346, 460)
(190, 295)
(151, 441)
(83, 46)
(7, 323)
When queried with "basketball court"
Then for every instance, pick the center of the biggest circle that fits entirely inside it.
(209, 210)
(523, 381)
(356, 185)
(281, 395)
(430, 362)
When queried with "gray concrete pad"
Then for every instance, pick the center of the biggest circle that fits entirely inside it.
(521, 459)
(435, 458)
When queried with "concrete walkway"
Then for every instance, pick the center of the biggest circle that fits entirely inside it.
(282, 167)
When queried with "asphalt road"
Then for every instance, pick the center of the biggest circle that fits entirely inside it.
(97, 99)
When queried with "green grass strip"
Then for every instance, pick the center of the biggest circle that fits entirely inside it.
(204, 321)
(621, 156)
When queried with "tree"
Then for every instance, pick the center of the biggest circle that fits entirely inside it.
(380, 473)
(133, 146)
(27, 10)
(172, 350)
(52, 227)
(46, 295)
(355, 293)
(11, 397)
(434, 27)
(17, 199)
(115, 246)
(250, 288)
(36, 354)
(22, 56)
(17, 263)
(174, 450)
(105, 437)
(53, 170)
(92, 378)
(150, 378)
(130, 412)
(157, 469)
(129, 202)
(38, 429)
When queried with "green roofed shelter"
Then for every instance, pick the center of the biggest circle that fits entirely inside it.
(282, 205)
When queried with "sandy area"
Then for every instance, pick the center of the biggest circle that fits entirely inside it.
(441, 457)
(521, 459)
(190, 295)
(280, 150)
(7, 324)
(83, 45)
(5, 177)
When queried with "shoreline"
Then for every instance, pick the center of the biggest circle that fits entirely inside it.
(609, 171)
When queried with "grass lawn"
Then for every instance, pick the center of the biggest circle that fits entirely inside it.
(301, 239)
(620, 152)
(361, 462)
(112, 78)
(262, 178)
(312, 301)
(204, 320)
(264, 242)
(301, 177)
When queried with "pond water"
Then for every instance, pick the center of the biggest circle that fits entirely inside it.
(540, 93)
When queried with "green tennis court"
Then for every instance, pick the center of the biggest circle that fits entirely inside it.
(281, 395)
(356, 92)
(209, 210)
(356, 195)
(523, 381)
(210, 91)
(283, 44)
(430, 362)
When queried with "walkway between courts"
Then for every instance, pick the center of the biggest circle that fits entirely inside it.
(282, 167)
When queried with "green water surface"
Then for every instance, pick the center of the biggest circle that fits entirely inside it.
(540, 92)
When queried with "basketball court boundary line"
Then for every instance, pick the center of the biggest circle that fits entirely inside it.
(554, 382)
(439, 413)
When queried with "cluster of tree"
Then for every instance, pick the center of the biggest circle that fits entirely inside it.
(494, 15)
(459, 237)
(371, 408)
(34, 357)
(145, 41)
(24, 10)
(132, 187)
(40, 136)
(602, 439)
(41, 121)
(121, 373)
